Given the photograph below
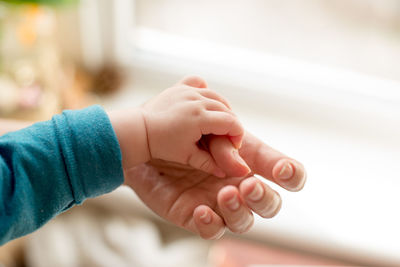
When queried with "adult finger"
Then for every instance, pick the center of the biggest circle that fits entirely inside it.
(238, 218)
(209, 224)
(202, 160)
(260, 198)
(227, 156)
(272, 164)
(262, 160)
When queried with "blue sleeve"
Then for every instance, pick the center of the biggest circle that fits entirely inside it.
(51, 166)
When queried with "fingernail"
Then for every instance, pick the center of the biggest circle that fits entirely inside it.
(257, 193)
(219, 234)
(239, 159)
(299, 186)
(286, 171)
(219, 173)
(271, 209)
(233, 204)
(244, 223)
(205, 217)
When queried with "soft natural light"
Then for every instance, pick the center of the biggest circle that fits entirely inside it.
(339, 211)
(346, 140)
(318, 78)
(315, 81)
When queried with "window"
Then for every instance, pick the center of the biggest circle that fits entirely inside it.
(358, 35)
(305, 48)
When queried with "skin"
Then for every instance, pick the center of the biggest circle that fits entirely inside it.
(170, 126)
(192, 197)
(202, 203)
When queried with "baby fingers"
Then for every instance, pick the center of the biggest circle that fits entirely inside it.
(222, 123)
(214, 105)
(210, 94)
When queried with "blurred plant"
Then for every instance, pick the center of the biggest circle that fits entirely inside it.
(37, 75)
(31, 69)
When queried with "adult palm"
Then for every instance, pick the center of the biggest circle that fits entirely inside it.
(205, 204)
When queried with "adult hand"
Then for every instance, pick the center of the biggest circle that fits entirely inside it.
(205, 204)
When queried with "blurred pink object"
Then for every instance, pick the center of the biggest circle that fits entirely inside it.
(30, 97)
(239, 253)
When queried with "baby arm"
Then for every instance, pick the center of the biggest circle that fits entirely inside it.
(48, 167)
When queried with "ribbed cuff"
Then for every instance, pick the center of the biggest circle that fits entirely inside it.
(91, 152)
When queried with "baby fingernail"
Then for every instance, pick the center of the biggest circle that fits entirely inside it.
(236, 141)
(233, 203)
(257, 193)
(205, 217)
(286, 171)
(239, 159)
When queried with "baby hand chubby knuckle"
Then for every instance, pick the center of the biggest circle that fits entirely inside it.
(191, 97)
(233, 122)
(196, 110)
(228, 119)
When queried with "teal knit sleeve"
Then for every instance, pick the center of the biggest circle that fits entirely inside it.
(48, 167)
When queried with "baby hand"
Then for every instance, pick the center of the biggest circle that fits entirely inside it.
(170, 126)
(177, 119)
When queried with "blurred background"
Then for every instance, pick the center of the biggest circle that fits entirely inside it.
(318, 80)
